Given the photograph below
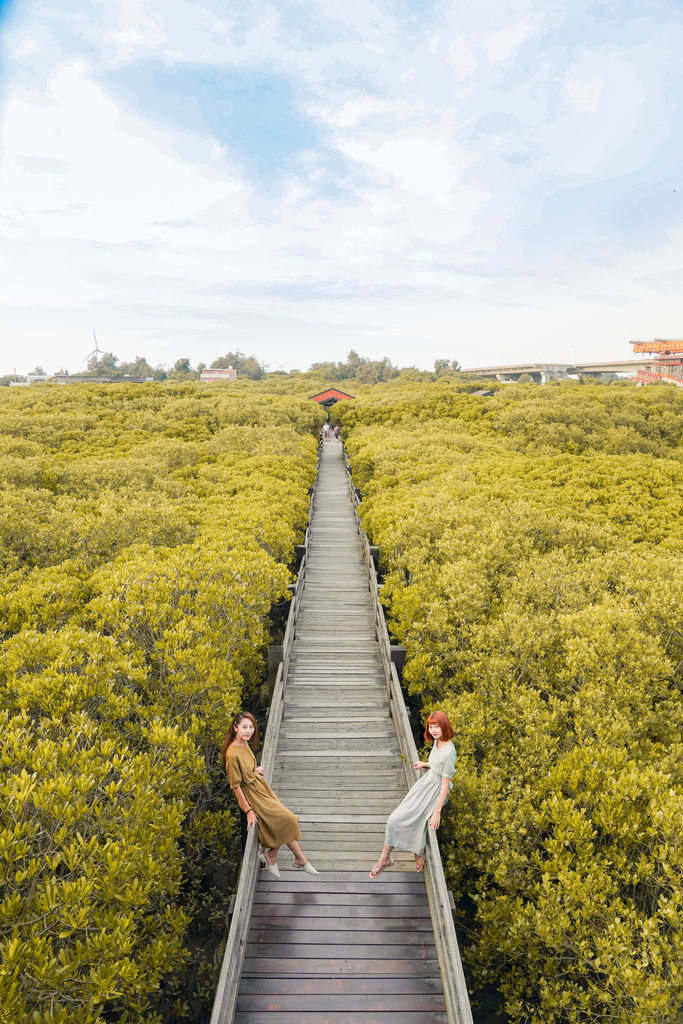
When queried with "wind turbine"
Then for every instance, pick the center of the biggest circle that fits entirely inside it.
(97, 351)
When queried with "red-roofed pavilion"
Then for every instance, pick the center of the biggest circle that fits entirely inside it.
(328, 398)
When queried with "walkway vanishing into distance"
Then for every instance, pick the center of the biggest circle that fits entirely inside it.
(340, 947)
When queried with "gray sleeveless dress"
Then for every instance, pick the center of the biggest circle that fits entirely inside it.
(407, 824)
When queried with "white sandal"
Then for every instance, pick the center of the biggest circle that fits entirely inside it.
(272, 868)
(307, 867)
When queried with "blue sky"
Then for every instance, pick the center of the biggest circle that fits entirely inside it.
(489, 181)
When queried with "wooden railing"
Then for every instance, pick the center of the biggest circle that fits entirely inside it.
(233, 958)
(452, 975)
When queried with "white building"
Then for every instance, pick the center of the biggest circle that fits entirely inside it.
(214, 374)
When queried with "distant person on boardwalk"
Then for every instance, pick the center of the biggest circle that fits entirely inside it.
(326, 431)
(336, 431)
(276, 825)
(422, 805)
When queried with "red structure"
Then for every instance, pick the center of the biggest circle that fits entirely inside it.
(328, 398)
(668, 366)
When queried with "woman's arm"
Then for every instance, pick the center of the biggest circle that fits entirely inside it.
(419, 765)
(244, 804)
(435, 819)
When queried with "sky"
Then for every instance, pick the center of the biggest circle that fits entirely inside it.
(485, 181)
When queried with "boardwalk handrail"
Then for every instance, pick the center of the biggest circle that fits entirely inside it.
(225, 1000)
(456, 996)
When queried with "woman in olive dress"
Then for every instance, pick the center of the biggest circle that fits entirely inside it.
(277, 826)
(422, 805)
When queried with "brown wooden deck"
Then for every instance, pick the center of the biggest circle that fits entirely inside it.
(340, 947)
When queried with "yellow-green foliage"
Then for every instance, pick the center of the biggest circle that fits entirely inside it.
(144, 532)
(532, 545)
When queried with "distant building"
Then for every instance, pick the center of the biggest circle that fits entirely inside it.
(668, 365)
(30, 378)
(215, 373)
(88, 378)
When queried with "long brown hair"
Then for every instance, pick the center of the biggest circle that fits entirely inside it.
(442, 719)
(232, 732)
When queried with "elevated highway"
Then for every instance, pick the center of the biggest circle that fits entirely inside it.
(544, 372)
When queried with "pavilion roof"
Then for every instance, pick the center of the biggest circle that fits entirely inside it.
(332, 394)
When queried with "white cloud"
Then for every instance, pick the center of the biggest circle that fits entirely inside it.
(428, 198)
(420, 165)
(603, 98)
(115, 173)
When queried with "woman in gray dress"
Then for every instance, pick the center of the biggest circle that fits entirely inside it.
(422, 805)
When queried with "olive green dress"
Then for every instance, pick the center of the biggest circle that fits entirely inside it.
(277, 826)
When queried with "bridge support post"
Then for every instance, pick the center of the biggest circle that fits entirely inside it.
(274, 659)
(398, 658)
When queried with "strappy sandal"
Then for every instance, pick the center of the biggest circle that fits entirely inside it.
(375, 874)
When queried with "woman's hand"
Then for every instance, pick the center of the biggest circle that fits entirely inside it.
(435, 820)
(252, 820)
(260, 771)
(418, 765)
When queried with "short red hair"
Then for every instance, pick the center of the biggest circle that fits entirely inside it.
(442, 719)
(230, 738)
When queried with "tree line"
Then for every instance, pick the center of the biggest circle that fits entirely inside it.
(532, 545)
(145, 537)
(355, 367)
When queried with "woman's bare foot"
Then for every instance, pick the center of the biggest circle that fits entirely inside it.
(382, 864)
(419, 861)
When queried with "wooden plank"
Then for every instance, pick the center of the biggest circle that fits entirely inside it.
(388, 883)
(321, 806)
(373, 826)
(293, 934)
(340, 1017)
(257, 963)
(342, 899)
(337, 744)
(328, 845)
(345, 819)
(332, 1002)
(359, 755)
(353, 951)
(304, 802)
(351, 986)
(349, 719)
(328, 731)
(323, 920)
(313, 777)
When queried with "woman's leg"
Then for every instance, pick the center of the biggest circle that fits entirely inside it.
(420, 861)
(271, 855)
(384, 861)
(299, 857)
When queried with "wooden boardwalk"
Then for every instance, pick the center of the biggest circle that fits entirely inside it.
(339, 947)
